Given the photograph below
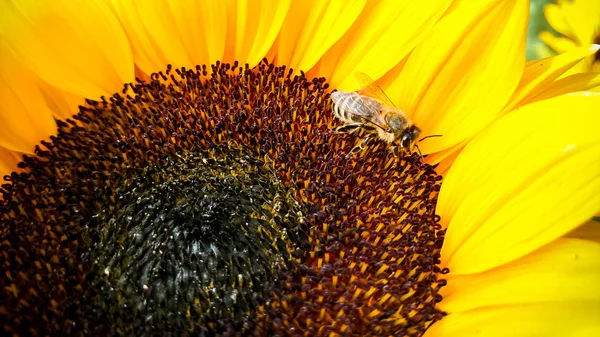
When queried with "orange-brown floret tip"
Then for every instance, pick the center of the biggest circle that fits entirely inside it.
(218, 201)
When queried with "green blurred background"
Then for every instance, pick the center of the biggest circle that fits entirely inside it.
(537, 23)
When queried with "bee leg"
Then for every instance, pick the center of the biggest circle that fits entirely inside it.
(347, 128)
(395, 151)
(365, 141)
(362, 144)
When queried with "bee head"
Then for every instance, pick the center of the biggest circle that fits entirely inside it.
(409, 137)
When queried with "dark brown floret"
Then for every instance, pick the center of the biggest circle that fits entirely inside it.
(218, 202)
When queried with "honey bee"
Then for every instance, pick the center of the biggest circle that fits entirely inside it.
(370, 109)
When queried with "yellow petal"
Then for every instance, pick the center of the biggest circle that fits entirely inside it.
(559, 44)
(568, 269)
(572, 319)
(525, 181)
(384, 33)
(555, 17)
(583, 17)
(252, 27)
(76, 46)
(311, 28)
(25, 119)
(445, 159)
(390, 77)
(62, 104)
(588, 231)
(181, 33)
(8, 163)
(573, 83)
(457, 80)
(539, 74)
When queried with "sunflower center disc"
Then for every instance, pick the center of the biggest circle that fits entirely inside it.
(216, 202)
(212, 227)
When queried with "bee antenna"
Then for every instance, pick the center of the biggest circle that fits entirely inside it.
(430, 136)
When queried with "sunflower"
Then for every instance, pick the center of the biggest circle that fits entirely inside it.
(578, 23)
(182, 174)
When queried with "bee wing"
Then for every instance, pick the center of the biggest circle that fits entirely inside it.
(368, 87)
(364, 108)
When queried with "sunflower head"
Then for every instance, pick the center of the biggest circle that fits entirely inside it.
(217, 199)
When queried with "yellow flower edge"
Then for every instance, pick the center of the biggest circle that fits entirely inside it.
(541, 79)
(577, 21)
(535, 179)
(523, 256)
(85, 51)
